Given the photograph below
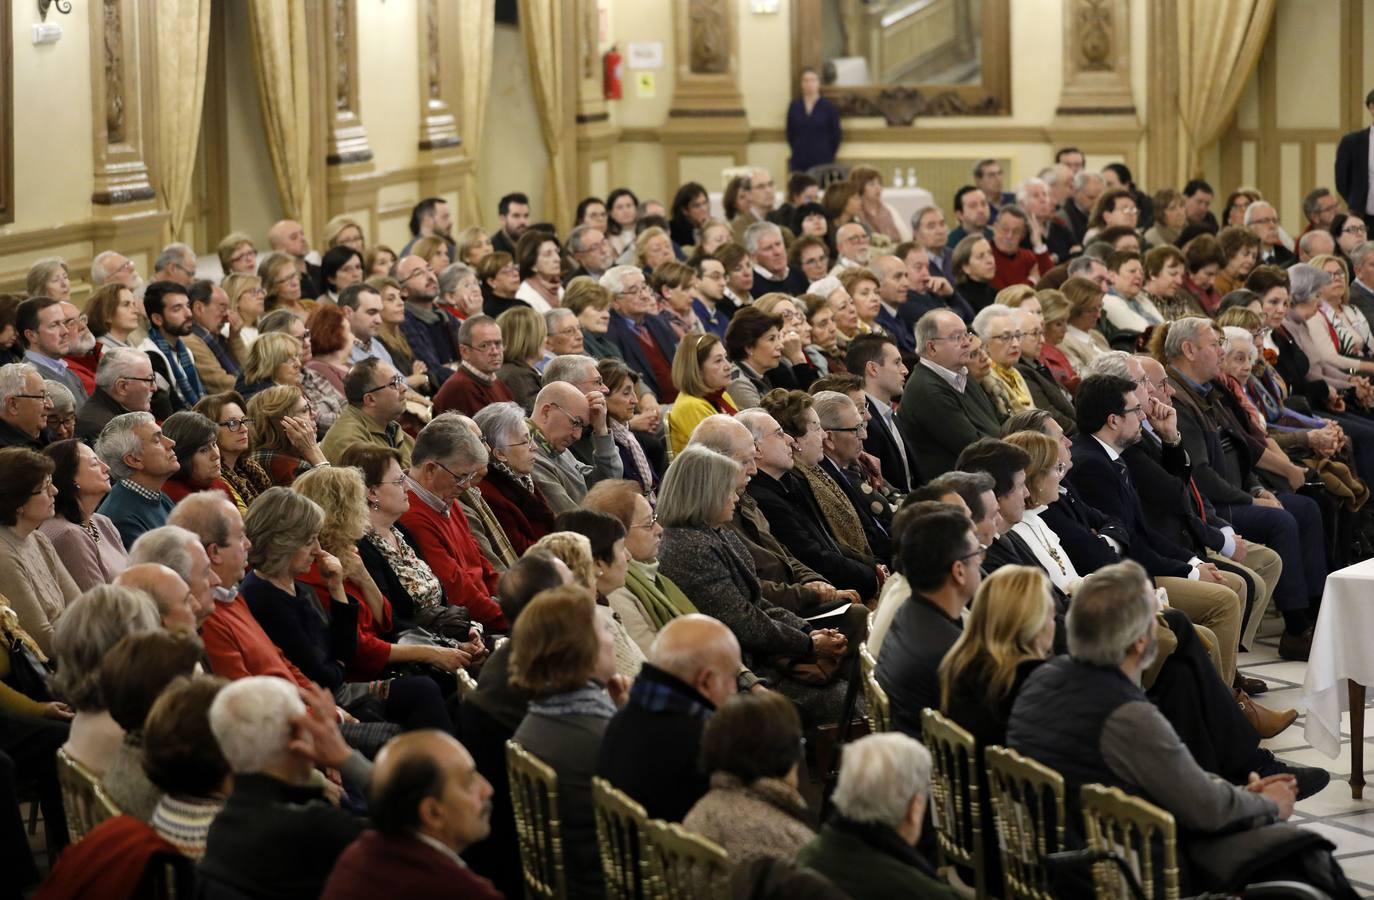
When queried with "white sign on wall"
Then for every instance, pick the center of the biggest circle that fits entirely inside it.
(645, 55)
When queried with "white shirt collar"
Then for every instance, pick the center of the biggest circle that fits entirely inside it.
(958, 380)
(1111, 451)
(442, 848)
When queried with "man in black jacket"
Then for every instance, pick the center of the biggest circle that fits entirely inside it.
(651, 746)
(876, 359)
(1352, 169)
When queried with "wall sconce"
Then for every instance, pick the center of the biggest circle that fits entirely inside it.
(63, 6)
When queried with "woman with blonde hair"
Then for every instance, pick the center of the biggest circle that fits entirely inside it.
(283, 434)
(523, 333)
(1082, 342)
(274, 358)
(1014, 295)
(1049, 463)
(113, 314)
(701, 373)
(344, 231)
(282, 282)
(237, 254)
(591, 303)
(433, 250)
(653, 248)
(472, 246)
(378, 261)
(1054, 311)
(49, 277)
(1342, 330)
(246, 300)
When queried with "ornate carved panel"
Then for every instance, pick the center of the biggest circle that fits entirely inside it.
(438, 126)
(121, 174)
(6, 116)
(1097, 59)
(347, 136)
(707, 61)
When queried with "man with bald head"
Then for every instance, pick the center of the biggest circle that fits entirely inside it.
(561, 414)
(651, 745)
(287, 236)
(894, 283)
(851, 247)
(180, 550)
(176, 605)
(428, 803)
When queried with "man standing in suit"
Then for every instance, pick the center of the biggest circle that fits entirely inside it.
(1353, 165)
(876, 359)
(943, 410)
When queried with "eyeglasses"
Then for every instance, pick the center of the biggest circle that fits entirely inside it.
(61, 420)
(1060, 468)
(578, 423)
(1133, 411)
(1267, 220)
(567, 332)
(1356, 228)
(981, 552)
(31, 396)
(44, 487)
(239, 257)
(461, 481)
(422, 271)
(855, 430)
(1007, 336)
(398, 482)
(524, 443)
(653, 520)
(398, 383)
(486, 346)
(961, 336)
(190, 272)
(236, 424)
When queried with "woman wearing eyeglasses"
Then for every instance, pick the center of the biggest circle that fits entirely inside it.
(509, 487)
(87, 542)
(500, 278)
(283, 284)
(32, 577)
(197, 450)
(1050, 461)
(237, 468)
(995, 325)
(282, 435)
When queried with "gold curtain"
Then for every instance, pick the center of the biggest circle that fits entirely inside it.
(281, 59)
(183, 37)
(477, 26)
(542, 23)
(1219, 44)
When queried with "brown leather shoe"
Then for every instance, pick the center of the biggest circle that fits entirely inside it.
(1267, 722)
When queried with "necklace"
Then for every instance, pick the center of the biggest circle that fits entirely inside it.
(1049, 548)
(89, 528)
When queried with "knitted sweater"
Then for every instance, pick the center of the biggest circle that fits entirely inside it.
(238, 647)
(34, 581)
(445, 542)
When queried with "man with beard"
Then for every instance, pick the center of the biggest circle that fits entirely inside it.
(431, 332)
(513, 211)
(83, 352)
(169, 320)
(430, 218)
(43, 334)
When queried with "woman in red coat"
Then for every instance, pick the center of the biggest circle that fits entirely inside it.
(508, 488)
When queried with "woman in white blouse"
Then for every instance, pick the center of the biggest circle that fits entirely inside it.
(1049, 463)
(1082, 341)
(1341, 333)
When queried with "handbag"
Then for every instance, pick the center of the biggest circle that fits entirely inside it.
(29, 675)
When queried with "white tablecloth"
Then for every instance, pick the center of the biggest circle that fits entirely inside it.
(1341, 649)
(906, 200)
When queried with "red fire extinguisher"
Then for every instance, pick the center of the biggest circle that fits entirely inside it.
(611, 85)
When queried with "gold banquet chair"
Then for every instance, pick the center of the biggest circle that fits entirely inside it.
(466, 683)
(685, 866)
(878, 711)
(83, 799)
(620, 838)
(534, 800)
(1142, 834)
(1028, 808)
(954, 801)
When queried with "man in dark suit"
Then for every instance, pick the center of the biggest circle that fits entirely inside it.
(1262, 219)
(772, 274)
(876, 359)
(944, 410)
(1352, 168)
(646, 342)
(925, 290)
(892, 296)
(842, 444)
(1362, 278)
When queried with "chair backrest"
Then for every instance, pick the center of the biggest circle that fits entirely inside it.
(620, 838)
(878, 710)
(1140, 832)
(954, 795)
(534, 800)
(1028, 806)
(83, 799)
(685, 866)
(829, 173)
(466, 683)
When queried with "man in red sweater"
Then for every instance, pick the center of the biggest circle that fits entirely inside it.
(1015, 264)
(447, 459)
(474, 385)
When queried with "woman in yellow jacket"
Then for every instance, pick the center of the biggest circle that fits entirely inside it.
(701, 373)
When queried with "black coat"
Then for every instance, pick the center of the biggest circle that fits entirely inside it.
(1162, 473)
(1352, 170)
(909, 661)
(622, 333)
(882, 443)
(1080, 528)
(879, 541)
(1047, 394)
(796, 520)
(1222, 471)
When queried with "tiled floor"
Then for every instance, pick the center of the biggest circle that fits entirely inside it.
(1348, 823)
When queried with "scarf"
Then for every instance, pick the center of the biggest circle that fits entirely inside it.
(247, 478)
(720, 402)
(501, 544)
(1009, 387)
(591, 700)
(525, 481)
(662, 600)
(839, 514)
(182, 365)
(643, 473)
(216, 344)
(1238, 391)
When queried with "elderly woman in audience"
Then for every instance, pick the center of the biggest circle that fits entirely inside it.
(564, 656)
(282, 281)
(86, 542)
(653, 248)
(32, 576)
(344, 231)
(1203, 259)
(715, 571)
(378, 261)
(49, 277)
(1341, 333)
(795, 368)
(753, 341)
(240, 471)
(648, 600)
(823, 351)
(282, 434)
(61, 423)
(1240, 250)
(246, 300)
(340, 267)
(672, 284)
(500, 280)
(591, 303)
(509, 487)
(237, 254)
(114, 314)
(132, 675)
(325, 399)
(1170, 218)
(622, 402)
(702, 375)
(996, 326)
(472, 245)
(274, 358)
(459, 293)
(1082, 341)
(540, 258)
(739, 275)
(1055, 311)
(1164, 269)
(90, 629)
(196, 445)
(880, 217)
(752, 749)
(434, 251)
(1050, 462)
(415, 593)
(523, 334)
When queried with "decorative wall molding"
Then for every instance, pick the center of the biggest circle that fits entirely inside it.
(347, 136)
(121, 172)
(707, 61)
(438, 125)
(900, 105)
(1097, 59)
(927, 135)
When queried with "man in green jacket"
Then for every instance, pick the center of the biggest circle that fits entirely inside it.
(868, 848)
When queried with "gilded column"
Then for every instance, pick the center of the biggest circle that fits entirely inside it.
(121, 175)
(347, 136)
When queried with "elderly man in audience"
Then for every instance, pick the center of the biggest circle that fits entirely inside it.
(943, 409)
(181, 550)
(1116, 736)
(276, 836)
(431, 332)
(24, 406)
(1263, 220)
(428, 803)
(177, 607)
(1078, 208)
(594, 447)
(124, 383)
(44, 336)
(83, 352)
(108, 266)
(141, 460)
(651, 745)
(175, 263)
(842, 445)
(587, 246)
(475, 384)
(868, 847)
(376, 398)
(218, 359)
(288, 237)
(646, 342)
(448, 458)
(851, 248)
(562, 413)
(764, 242)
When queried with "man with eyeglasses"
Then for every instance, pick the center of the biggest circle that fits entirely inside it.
(430, 331)
(218, 359)
(708, 295)
(475, 384)
(376, 395)
(842, 445)
(561, 414)
(596, 447)
(43, 334)
(288, 236)
(942, 409)
(564, 336)
(175, 263)
(646, 342)
(589, 249)
(1263, 220)
(24, 407)
(124, 382)
(83, 352)
(109, 266)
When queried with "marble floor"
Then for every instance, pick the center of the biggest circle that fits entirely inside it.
(1346, 822)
